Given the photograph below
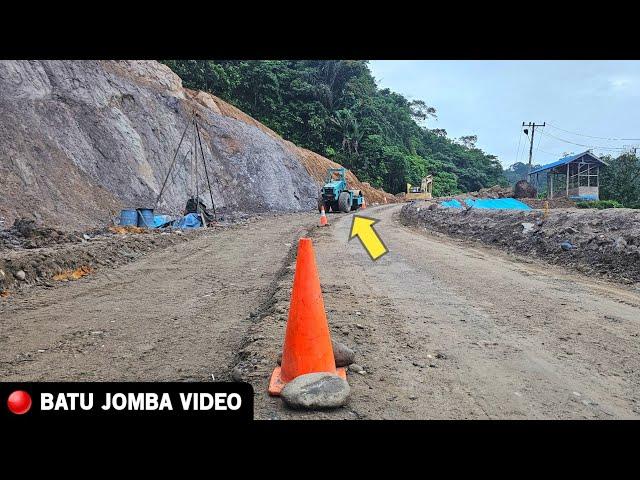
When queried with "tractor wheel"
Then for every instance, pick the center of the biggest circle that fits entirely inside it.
(344, 202)
(334, 207)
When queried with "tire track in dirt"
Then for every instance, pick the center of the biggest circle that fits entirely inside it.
(517, 346)
(447, 330)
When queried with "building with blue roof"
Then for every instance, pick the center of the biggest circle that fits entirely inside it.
(575, 176)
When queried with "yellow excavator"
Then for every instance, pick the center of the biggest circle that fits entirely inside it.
(423, 192)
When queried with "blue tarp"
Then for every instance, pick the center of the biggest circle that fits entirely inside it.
(488, 203)
(497, 204)
(160, 220)
(191, 220)
(451, 204)
(585, 198)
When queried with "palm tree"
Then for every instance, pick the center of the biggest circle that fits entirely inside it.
(347, 124)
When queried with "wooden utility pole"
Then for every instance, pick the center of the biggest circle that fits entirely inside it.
(533, 131)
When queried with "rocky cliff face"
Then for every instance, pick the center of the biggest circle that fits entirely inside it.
(81, 139)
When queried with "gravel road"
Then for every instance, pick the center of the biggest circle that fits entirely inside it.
(447, 330)
(441, 328)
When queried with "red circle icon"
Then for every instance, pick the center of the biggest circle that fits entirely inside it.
(19, 402)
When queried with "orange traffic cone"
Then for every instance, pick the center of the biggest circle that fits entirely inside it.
(364, 203)
(307, 342)
(323, 217)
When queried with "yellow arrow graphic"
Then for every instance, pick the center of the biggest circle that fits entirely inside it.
(362, 227)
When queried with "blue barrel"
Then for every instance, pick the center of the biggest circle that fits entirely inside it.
(129, 217)
(145, 217)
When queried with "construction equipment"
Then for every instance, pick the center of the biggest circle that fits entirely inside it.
(194, 204)
(423, 192)
(336, 195)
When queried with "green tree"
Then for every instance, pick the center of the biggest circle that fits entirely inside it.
(335, 107)
(620, 180)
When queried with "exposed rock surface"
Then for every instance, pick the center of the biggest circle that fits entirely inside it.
(79, 140)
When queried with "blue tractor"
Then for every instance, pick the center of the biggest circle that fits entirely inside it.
(336, 195)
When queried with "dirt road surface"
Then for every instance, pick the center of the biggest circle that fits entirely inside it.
(447, 330)
(177, 314)
(442, 329)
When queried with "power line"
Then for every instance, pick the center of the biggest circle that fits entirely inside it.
(519, 142)
(540, 139)
(592, 136)
(581, 144)
(549, 153)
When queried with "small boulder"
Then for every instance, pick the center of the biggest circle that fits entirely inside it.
(316, 391)
(524, 189)
(237, 374)
(344, 355)
(527, 227)
(620, 244)
(20, 275)
(567, 245)
(354, 367)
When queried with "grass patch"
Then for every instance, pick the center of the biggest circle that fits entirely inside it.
(599, 204)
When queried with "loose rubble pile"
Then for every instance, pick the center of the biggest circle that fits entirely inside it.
(26, 234)
(492, 192)
(42, 266)
(602, 242)
(541, 203)
(31, 254)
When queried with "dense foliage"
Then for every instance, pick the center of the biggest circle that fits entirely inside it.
(518, 171)
(336, 109)
(620, 181)
(599, 204)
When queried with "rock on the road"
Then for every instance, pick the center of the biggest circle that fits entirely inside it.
(354, 367)
(344, 355)
(316, 391)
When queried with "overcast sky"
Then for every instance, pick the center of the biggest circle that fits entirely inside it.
(491, 99)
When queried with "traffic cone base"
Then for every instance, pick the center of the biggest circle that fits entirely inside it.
(276, 384)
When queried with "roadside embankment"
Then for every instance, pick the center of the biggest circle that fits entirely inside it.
(597, 242)
(32, 255)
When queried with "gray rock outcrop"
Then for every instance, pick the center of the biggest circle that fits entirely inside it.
(79, 140)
